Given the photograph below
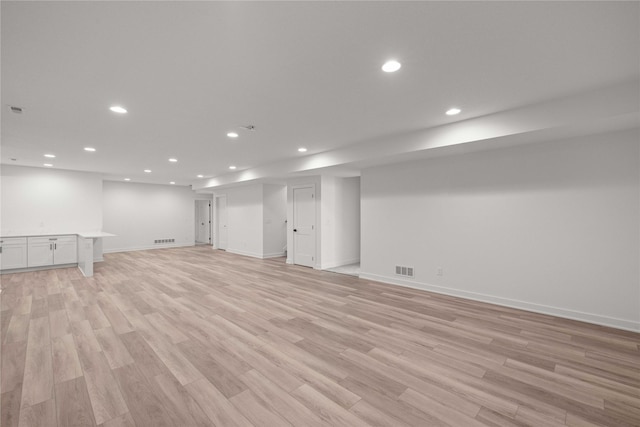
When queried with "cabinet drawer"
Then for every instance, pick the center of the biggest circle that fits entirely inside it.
(13, 241)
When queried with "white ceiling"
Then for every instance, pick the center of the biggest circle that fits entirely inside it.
(304, 73)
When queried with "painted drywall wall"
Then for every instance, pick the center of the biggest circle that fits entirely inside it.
(139, 214)
(39, 200)
(340, 213)
(274, 220)
(244, 224)
(548, 227)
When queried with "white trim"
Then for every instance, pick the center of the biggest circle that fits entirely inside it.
(628, 325)
(255, 254)
(215, 237)
(39, 268)
(273, 255)
(335, 264)
(146, 248)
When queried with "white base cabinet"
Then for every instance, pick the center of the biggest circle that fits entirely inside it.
(13, 252)
(52, 250)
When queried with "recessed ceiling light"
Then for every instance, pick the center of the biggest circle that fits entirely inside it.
(302, 150)
(232, 135)
(147, 171)
(51, 156)
(232, 167)
(89, 149)
(118, 109)
(47, 165)
(453, 111)
(391, 66)
(200, 176)
(127, 179)
(172, 160)
(172, 183)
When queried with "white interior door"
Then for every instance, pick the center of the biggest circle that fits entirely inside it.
(221, 215)
(202, 221)
(304, 226)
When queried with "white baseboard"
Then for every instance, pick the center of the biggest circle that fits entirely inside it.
(39, 268)
(273, 255)
(255, 254)
(334, 264)
(628, 325)
(144, 248)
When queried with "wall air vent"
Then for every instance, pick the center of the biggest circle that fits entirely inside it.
(14, 109)
(404, 271)
(164, 241)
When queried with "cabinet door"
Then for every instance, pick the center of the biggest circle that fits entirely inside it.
(40, 251)
(13, 253)
(65, 250)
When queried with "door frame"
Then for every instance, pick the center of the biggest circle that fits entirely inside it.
(216, 220)
(293, 221)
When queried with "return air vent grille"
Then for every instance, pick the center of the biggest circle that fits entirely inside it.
(163, 241)
(404, 271)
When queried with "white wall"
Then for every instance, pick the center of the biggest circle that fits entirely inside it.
(140, 213)
(38, 200)
(340, 213)
(549, 227)
(275, 220)
(244, 224)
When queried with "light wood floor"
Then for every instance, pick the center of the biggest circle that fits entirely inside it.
(196, 337)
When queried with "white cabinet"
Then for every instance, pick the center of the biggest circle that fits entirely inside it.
(65, 250)
(52, 250)
(40, 251)
(13, 252)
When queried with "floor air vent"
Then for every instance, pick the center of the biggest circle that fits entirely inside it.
(404, 271)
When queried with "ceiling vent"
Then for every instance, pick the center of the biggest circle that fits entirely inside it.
(14, 109)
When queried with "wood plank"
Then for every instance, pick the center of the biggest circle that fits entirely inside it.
(18, 328)
(145, 406)
(59, 323)
(182, 407)
(10, 407)
(106, 399)
(66, 363)
(73, 404)
(112, 347)
(283, 403)
(38, 375)
(219, 410)
(325, 408)
(41, 414)
(13, 362)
